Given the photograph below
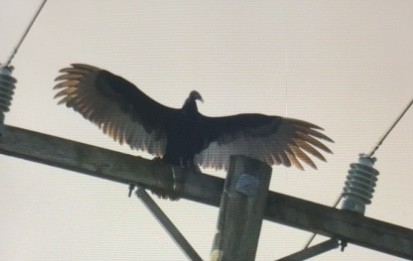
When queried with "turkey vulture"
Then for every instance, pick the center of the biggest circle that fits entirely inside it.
(184, 136)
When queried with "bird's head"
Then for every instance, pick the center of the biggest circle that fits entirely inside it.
(194, 96)
(190, 103)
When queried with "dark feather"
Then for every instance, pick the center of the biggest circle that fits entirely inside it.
(116, 106)
(272, 139)
(184, 136)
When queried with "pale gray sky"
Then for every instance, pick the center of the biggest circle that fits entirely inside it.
(344, 65)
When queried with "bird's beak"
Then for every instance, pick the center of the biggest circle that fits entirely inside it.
(199, 97)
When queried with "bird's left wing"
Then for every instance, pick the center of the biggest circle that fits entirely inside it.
(116, 106)
(271, 139)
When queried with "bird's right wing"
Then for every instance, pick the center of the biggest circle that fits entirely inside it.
(116, 106)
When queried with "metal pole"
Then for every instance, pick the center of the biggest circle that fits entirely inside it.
(167, 224)
(312, 251)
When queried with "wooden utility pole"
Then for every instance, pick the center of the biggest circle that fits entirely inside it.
(298, 213)
(242, 210)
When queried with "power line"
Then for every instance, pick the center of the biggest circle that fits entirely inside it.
(25, 33)
(390, 129)
(368, 156)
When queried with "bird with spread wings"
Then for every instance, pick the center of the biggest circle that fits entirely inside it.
(184, 136)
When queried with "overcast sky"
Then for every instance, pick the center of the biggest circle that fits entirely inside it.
(344, 65)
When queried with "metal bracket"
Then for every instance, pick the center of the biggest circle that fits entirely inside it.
(312, 251)
(167, 223)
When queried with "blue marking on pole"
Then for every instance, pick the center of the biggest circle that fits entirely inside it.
(247, 185)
